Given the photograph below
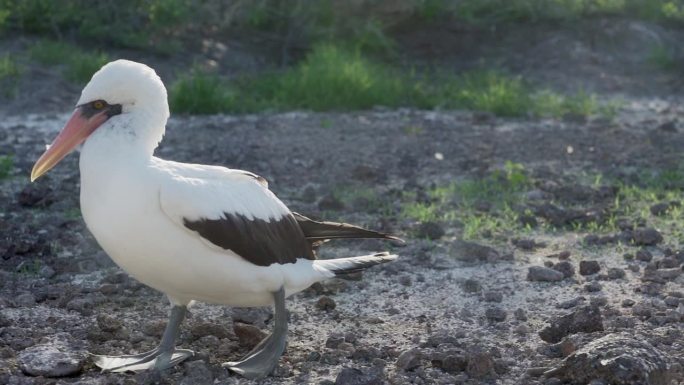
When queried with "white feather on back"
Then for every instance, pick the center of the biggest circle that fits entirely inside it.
(195, 192)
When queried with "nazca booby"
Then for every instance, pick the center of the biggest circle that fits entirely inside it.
(191, 231)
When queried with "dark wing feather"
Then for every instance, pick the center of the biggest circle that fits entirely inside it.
(258, 241)
(320, 231)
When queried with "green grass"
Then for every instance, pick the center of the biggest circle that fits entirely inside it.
(78, 65)
(456, 203)
(663, 58)
(487, 12)
(334, 78)
(200, 93)
(9, 75)
(6, 165)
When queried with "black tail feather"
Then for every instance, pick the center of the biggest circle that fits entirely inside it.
(318, 232)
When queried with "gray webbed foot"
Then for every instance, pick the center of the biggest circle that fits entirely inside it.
(152, 360)
(158, 359)
(261, 361)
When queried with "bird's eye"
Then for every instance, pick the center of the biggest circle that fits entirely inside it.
(98, 104)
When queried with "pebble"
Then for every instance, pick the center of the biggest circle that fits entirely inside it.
(480, 363)
(472, 285)
(430, 230)
(598, 301)
(54, 359)
(585, 319)
(544, 274)
(627, 302)
(206, 328)
(196, 372)
(495, 314)
(593, 287)
(644, 255)
(248, 335)
(617, 358)
(520, 314)
(325, 303)
(353, 376)
(493, 296)
(25, 300)
(616, 273)
(330, 202)
(108, 323)
(646, 236)
(409, 359)
(566, 268)
(589, 267)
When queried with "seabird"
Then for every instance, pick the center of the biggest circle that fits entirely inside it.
(191, 231)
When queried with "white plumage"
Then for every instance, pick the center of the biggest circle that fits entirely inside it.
(192, 231)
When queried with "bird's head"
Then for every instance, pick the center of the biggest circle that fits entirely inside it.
(124, 97)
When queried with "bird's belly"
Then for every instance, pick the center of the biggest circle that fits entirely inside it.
(164, 256)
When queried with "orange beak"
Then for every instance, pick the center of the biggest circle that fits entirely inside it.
(75, 132)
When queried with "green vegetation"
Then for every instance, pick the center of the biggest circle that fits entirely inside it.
(79, 65)
(334, 78)
(6, 165)
(125, 23)
(502, 11)
(9, 74)
(663, 58)
(483, 207)
(200, 93)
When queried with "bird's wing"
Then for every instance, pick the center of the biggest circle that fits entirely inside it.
(234, 212)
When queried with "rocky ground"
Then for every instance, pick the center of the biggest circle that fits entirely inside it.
(583, 285)
(551, 304)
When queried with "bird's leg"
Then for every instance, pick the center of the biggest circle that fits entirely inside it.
(261, 361)
(161, 357)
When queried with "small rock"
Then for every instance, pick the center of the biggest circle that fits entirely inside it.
(586, 319)
(472, 285)
(474, 252)
(646, 236)
(493, 296)
(527, 244)
(544, 274)
(628, 302)
(405, 280)
(108, 323)
(495, 314)
(36, 195)
(25, 300)
(154, 328)
(520, 314)
(430, 230)
(352, 376)
(330, 202)
(598, 301)
(616, 273)
(660, 208)
(571, 303)
(618, 358)
(196, 372)
(55, 359)
(325, 303)
(205, 328)
(409, 359)
(334, 340)
(593, 287)
(589, 267)
(480, 363)
(248, 335)
(566, 268)
(644, 255)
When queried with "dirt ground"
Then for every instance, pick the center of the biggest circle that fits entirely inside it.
(568, 306)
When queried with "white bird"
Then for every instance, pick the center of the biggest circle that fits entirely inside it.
(191, 231)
